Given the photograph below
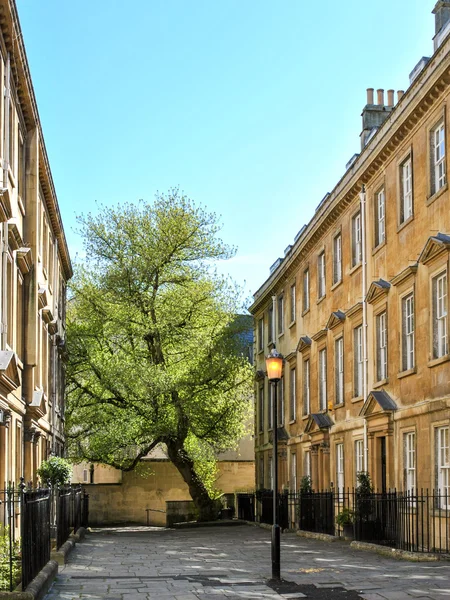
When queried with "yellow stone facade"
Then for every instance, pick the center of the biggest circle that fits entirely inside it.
(34, 270)
(358, 307)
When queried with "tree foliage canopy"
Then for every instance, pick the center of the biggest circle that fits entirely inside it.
(155, 348)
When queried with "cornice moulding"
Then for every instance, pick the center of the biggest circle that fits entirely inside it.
(404, 275)
(419, 99)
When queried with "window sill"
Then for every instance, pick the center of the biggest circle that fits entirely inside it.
(260, 351)
(357, 399)
(340, 405)
(305, 417)
(406, 373)
(321, 299)
(438, 361)
(355, 268)
(280, 335)
(379, 247)
(292, 421)
(305, 312)
(405, 223)
(292, 323)
(381, 382)
(336, 285)
(436, 195)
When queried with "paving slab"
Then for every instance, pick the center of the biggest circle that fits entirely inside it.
(235, 562)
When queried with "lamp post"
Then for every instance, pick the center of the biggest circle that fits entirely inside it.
(274, 366)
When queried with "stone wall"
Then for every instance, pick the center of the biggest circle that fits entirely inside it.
(141, 496)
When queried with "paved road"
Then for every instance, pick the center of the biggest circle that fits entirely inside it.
(234, 562)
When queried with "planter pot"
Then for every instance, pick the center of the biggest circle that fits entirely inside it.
(348, 530)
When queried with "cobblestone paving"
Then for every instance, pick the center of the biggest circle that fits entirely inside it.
(234, 562)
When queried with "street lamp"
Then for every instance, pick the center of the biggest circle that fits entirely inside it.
(274, 366)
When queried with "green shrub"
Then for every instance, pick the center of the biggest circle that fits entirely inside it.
(6, 554)
(345, 517)
(55, 471)
(305, 485)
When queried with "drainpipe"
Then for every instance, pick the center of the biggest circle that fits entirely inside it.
(362, 197)
(4, 228)
(55, 370)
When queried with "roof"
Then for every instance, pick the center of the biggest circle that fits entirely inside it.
(322, 420)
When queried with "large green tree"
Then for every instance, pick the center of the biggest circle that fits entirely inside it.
(154, 346)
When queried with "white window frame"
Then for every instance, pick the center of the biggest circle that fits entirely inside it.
(292, 394)
(280, 314)
(270, 407)
(292, 294)
(358, 361)
(281, 403)
(323, 379)
(271, 323)
(340, 481)
(305, 290)
(356, 239)
(408, 333)
(293, 475)
(406, 180)
(306, 387)
(261, 334)
(337, 259)
(440, 316)
(443, 465)
(409, 440)
(359, 456)
(307, 464)
(381, 217)
(339, 369)
(438, 157)
(321, 281)
(382, 347)
(261, 409)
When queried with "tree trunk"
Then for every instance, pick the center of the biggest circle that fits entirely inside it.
(207, 510)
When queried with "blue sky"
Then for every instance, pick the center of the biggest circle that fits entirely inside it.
(252, 107)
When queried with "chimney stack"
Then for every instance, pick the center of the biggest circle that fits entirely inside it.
(374, 115)
(441, 21)
(400, 95)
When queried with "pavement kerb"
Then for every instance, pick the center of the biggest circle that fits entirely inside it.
(365, 546)
(399, 554)
(40, 585)
(60, 555)
(44, 579)
(195, 524)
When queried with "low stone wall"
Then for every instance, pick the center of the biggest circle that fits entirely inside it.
(180, 512)
(141, 496)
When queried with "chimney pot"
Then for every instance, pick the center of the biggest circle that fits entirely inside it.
(400, 95)
(380, 94)
(369, 95)
(390, 95)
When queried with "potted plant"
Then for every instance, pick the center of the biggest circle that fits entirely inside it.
(345, 520)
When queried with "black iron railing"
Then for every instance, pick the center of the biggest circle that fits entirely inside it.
(10, 566)
(64, 516)
(31, 521)
(417, 521)
(35, 532)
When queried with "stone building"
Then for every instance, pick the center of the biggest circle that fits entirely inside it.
(34, 269)
(358, 306)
